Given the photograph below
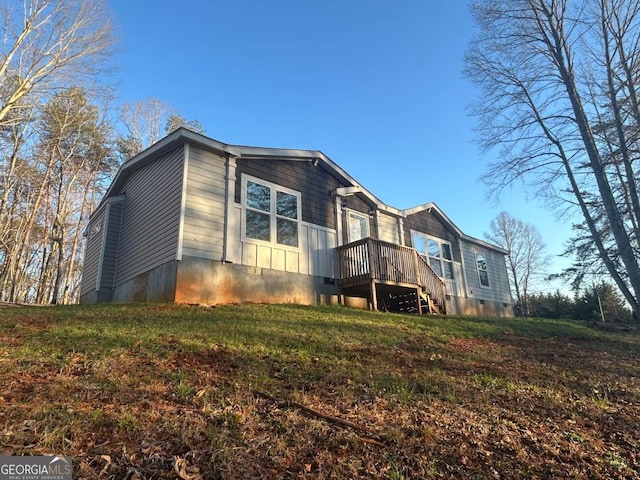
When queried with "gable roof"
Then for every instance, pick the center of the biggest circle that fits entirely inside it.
(183, 135)
(431, 206)
(175, 138)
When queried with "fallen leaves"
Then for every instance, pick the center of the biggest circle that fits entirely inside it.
(185, 470)
(511, 406)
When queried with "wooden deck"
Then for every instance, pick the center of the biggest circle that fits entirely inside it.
(369, 266)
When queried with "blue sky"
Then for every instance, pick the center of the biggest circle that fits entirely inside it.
(375, 85)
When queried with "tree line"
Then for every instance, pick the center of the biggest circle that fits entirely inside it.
(62, 137)
(528, 269)
(598, 302)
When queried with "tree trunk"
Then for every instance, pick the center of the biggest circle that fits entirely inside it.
(559, 49)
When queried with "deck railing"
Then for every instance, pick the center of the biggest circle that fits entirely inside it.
(369, 260)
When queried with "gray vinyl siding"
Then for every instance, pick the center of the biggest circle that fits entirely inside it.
(151, 218)
(114, 218)
(388, 228)
(92, 253)
(430, 224)
(203, 229)
(315, 185)
(498, 290)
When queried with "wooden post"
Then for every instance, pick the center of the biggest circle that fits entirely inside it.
(416, 268)
(444, 299)
(419, 300)
(374, 296)
(372, 257)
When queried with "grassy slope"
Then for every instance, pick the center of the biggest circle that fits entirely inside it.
(160, 390)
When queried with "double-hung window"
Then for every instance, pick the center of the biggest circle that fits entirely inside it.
(483, 273)
(271, 212)
(437, 252)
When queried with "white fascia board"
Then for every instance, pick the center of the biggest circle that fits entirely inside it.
(487, 245)
(106, 201)
(276, 153)
(476, 241)
(380, 205)
(383, 207)
(209, 143)
(179, 135)
(266, 153)
(137, 159)
(410, 211)
(433, 207)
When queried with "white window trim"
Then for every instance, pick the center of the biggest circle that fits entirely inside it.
(272, 214)
(475, 259)
(356, 213)
(440, 242)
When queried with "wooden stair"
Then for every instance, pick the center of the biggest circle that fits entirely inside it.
(407, 302)
(392, 277)
(428, 305)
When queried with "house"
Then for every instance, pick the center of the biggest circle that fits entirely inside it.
(193, 220)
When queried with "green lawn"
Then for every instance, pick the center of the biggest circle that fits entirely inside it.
(284, 391)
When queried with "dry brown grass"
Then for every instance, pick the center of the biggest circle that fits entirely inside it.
(171, 392)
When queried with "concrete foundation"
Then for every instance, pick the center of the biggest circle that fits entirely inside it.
(156, 285)
(210, 282)
(478, 308)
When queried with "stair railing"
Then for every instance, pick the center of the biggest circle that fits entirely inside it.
(368, 259)
(429, 280)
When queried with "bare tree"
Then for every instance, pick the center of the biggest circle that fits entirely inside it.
(46, 44)
(77, 134)
(146, 122)
(527, 260)
(559, 83)
(52, 197)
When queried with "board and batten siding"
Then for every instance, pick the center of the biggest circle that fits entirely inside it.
(498, 290)
(91, 262)
(203, 229)
(316, 254)
(388, 229)
(151, 218)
